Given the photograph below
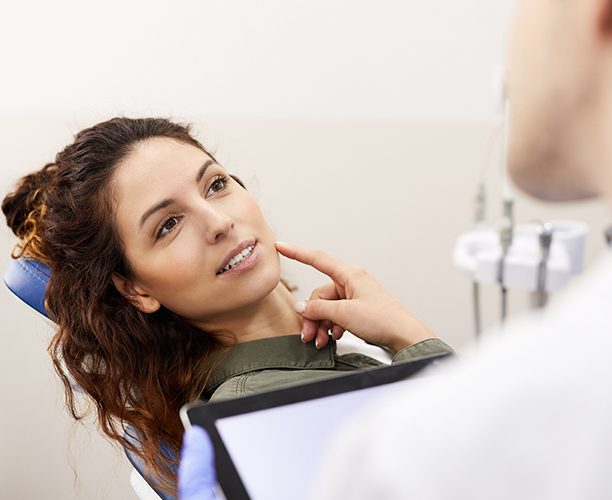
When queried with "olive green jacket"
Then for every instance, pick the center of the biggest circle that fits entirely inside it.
(275, 362)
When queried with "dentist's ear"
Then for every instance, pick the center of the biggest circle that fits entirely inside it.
(135, 295)
(604, 15)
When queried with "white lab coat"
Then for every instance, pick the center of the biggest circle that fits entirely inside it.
(526, 415)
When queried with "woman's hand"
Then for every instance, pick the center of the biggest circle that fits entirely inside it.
(353, 301)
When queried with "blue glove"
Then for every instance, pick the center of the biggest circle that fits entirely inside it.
(197, 479)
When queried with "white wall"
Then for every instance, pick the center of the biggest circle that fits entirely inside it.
(361, 127)
(431, 59)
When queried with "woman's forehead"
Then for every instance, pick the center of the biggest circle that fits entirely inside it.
(155, 170)
(160, 155)
(157, 163)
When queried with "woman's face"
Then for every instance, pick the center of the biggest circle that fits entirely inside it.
(195, 240)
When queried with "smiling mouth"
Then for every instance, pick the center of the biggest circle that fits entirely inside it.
(237, 259)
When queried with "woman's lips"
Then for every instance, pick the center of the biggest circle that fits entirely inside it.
(234, 255)
(241, 262)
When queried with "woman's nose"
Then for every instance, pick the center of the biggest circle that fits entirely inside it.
(217, 224)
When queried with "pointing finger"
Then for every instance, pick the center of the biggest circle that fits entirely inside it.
(321, 261)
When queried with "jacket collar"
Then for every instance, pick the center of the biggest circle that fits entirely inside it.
(272, 353)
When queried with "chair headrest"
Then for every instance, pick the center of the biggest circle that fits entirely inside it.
(27, 278)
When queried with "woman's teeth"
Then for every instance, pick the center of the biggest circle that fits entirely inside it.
(236, 259)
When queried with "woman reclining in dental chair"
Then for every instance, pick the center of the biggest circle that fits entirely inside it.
(165, 285)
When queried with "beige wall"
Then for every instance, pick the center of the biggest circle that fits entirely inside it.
(391, 196)
(272, 58)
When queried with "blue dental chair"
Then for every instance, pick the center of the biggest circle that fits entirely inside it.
(27, 279)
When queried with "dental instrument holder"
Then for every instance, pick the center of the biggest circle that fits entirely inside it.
(520, 266)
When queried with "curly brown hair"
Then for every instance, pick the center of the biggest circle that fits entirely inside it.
(137, 368)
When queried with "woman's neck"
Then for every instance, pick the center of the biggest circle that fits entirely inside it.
(273, 316)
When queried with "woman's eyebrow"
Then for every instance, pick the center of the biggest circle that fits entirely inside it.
(170, 201)
(202, 170)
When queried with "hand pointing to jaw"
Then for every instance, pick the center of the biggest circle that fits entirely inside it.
(353, 301)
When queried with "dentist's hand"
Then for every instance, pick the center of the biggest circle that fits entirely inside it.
(197, 479)
(353, 301)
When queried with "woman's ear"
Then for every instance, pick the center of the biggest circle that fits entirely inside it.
(135, 295)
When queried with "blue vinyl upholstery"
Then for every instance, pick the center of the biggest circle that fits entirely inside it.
(27, 279)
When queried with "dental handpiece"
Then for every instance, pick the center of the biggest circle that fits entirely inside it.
(505, 240)
(480, 203)
(608, 235)
(545, 234)
(507, 230)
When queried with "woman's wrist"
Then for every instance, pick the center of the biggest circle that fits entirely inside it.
(409, 332)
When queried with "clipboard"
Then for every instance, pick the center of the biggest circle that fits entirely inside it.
(266, 445)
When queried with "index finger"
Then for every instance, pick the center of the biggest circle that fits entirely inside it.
(321, 261)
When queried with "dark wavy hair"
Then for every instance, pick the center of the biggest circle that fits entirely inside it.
(137, 368)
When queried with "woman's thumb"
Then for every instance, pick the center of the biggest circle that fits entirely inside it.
(320, 309)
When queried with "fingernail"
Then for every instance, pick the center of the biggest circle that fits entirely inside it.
(302, 337)
(300, 306)
(317, 343)
(281, 243)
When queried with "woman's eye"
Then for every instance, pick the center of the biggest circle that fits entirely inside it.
(218, 184)
(167, 227)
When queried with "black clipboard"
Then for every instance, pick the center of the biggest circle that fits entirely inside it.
(210, 415)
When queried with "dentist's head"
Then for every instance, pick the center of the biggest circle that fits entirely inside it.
(154, 251)
(560, 88)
